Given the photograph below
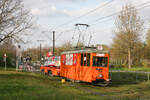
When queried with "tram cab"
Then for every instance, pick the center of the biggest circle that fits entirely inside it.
(53, 61)
(51, 66)
(85, 65)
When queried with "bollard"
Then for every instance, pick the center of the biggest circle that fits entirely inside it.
(63, 80)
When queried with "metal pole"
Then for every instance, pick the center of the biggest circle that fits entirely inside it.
(17, 58)
(40, 53)
(16, 63)
(53, 43)
(5, 64)
(4, 59)
(40, 50)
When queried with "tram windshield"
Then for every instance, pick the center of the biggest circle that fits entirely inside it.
(100, 61)
(52, 61)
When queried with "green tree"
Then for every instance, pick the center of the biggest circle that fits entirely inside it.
(127, 40)
(10, 51)
(148, 38)
(147, 45)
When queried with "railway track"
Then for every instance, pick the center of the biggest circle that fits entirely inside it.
(87, 89)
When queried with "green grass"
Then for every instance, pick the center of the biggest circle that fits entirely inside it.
(144, 69)
(8, 69)
(34, 86)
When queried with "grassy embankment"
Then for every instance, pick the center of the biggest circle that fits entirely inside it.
(33, 86)
(144, 69)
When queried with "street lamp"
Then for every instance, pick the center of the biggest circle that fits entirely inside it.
(40, 49)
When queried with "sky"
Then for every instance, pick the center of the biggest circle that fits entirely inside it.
(62, 15)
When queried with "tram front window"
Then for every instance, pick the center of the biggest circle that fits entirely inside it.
(100, 61)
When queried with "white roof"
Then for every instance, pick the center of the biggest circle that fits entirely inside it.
(85, 51)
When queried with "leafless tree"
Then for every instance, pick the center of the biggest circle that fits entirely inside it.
(14, 19)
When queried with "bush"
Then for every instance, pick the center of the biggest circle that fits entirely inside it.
(10, 60)
(146, 63)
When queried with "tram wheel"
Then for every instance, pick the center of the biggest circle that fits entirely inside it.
(103, 84)
(50, 73)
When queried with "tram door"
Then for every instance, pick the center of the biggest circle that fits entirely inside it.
(85, 68)
(76, 66)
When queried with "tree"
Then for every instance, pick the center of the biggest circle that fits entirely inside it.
(148, 38)
(147, 45)
(10, 51)
(14, 19)
(64, 47)
(127, 40)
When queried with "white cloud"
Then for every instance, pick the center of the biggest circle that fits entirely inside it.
(49, 11)
(35, 11)
(53, 8)
(49, 7)
(68, 9)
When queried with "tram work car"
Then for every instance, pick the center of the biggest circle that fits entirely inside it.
(51, 66)
(85, 65)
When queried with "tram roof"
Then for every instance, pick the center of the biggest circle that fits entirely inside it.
(85, 51)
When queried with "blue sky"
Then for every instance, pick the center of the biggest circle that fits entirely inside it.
(52, 13)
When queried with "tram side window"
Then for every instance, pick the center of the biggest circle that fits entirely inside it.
(88, 59)
(100, 61)
(85, 59)
(63, 59)
(69, 59)
(74, 59)
(82, 59)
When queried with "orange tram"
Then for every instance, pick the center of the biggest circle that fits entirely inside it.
(51, 66)
(90, 66)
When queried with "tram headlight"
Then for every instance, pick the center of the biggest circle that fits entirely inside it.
(100, 75)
